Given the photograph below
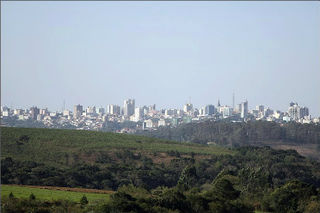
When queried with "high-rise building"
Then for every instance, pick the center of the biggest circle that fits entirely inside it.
(77, 111)
(244, 109)
(152, 107)
(145, 110)
(304, 111)
(187, 108)
(113, 109)
(202, 111)
(226, 111)
(34, 111)
(296, 112)
(138, 114)
(238, 109)
(91, 110)
(101, 111)
(128, 107)
(260, 108)
(209, 110)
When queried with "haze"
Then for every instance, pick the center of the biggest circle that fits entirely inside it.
(99, 53)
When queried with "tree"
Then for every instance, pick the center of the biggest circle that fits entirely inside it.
(188, 178)
(11, 195)
(84, 200)
(32, 196)
(291, 197)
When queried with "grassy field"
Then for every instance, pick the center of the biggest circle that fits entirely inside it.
(54, 145)
(50, 194)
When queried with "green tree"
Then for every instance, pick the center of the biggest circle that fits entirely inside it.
(84, 200)
(11, 195)
(291, 197)
(32, 196)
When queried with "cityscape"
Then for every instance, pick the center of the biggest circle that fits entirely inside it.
(130, 118)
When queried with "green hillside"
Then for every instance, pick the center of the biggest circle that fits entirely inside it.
(49, 194)
(56, 146)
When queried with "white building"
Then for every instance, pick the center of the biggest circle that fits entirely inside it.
(113, 109)
(149, 124)
(138, 114)
(128, 107)
(226, 111)
(244, 109)
(296, 112)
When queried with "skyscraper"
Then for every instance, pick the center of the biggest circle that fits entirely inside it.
(187, 108)
(296, 112)
(138, 114)
(113, 109)
(128, 107)
(209, 110)
(34, 112)
(77, 111)
(244, 109)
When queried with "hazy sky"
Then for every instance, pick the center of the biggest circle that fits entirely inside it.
(99, 53)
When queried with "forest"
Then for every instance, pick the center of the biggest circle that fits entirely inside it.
(240, 133)
(305, 138)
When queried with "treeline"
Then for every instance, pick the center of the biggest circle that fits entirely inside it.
(240, 133)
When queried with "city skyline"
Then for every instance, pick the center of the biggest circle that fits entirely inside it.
(116, 118)
(99, 53)
(121, 106)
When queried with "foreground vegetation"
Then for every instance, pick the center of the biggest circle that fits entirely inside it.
(153, 175)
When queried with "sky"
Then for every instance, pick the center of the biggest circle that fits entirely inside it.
(163, 53)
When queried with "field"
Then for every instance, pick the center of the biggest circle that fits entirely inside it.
(54, 193)
(56, 146)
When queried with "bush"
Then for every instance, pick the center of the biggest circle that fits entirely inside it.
(84, 200)
(32, 196)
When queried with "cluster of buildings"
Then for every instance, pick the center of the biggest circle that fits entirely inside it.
(148, 117)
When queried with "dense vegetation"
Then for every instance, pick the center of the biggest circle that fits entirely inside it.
(153, 175)
(233, 133)
(305, 138)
